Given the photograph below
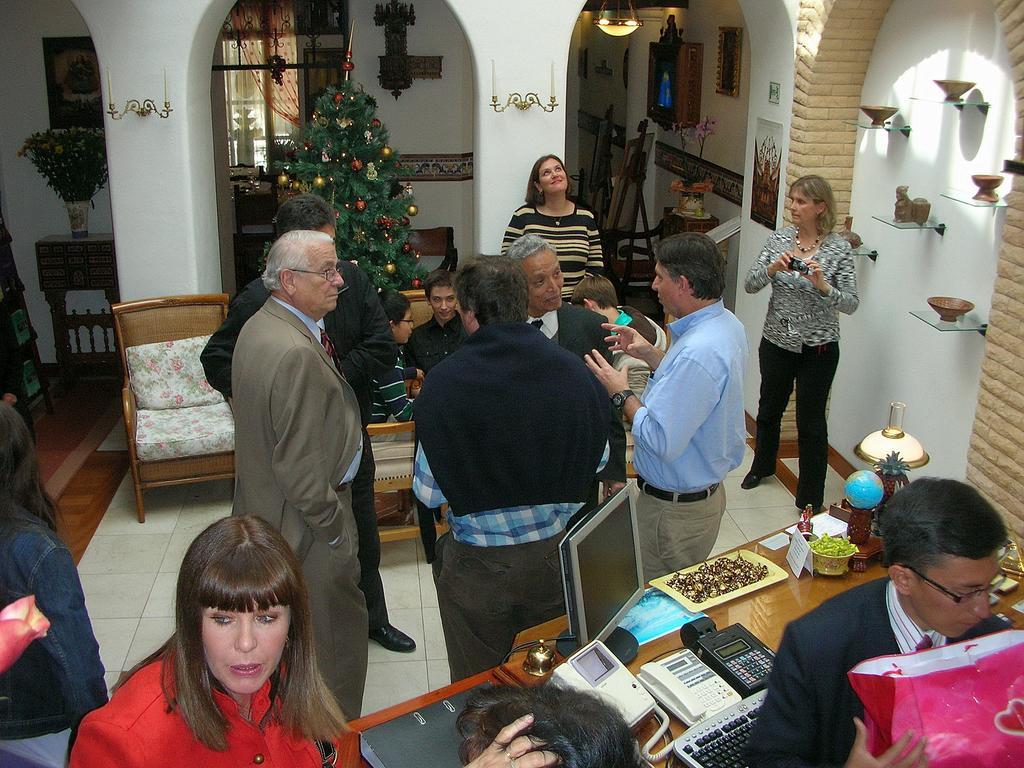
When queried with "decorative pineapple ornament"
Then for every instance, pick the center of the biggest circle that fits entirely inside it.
(892, 471)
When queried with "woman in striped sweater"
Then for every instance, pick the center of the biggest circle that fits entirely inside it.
(813, 279)
(550, 213)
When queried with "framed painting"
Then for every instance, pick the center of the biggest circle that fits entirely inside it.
(764, 198)
(72, 82)
(730, 44)
(318, 74)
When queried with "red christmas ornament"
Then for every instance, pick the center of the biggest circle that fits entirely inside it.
(375, 123)
(307, 146)
(416, 282)
(405, 221)
(360, 204)
(337, 98)
(356, 164)
(406, 247)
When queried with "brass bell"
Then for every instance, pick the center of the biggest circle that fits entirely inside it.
(539, 660)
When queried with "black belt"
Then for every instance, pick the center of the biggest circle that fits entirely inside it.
(658, 493)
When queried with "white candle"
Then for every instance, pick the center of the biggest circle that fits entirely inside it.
(494, 83)
(552, 78)
(110, 90)
(165, 85)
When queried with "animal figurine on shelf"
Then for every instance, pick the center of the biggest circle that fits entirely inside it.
(904, 205)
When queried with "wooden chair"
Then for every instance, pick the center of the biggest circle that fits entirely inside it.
(394, 443)
(179, 429)
(436, 248)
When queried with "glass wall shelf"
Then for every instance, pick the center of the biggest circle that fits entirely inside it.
(967, 322)
(930, 224)
(965, 197)
(904, 129)
(959, 104)
(863, 250)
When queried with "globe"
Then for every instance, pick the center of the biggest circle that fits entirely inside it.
(863, 489)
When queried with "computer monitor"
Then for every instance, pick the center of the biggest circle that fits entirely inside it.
(602, 576)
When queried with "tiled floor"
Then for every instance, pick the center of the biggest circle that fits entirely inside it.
(129, 572)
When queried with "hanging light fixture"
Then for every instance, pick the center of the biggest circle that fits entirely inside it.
(880, 444)
(618, 23)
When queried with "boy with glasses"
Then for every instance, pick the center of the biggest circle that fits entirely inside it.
(942, 542)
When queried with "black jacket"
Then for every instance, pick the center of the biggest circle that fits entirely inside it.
(357, 327)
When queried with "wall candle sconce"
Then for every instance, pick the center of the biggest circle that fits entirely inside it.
(143, 108)
(518, 100)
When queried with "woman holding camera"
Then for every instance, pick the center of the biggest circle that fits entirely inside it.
(813, 279)
(237, 683)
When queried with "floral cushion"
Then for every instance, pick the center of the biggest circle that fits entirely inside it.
(168, 374)
(175, 433)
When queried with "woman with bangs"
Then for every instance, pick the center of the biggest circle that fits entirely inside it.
(237, 682)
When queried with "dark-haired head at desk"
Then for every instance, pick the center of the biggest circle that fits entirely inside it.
(941, 542)
(580, 729)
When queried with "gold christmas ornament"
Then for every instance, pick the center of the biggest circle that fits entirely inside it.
(413, 209)
(371, 172)
(295, 185)
(386, 152)
(319, 182)
(282, 180)
(390, 268)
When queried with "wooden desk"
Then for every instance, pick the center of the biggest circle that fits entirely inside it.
(765, 613)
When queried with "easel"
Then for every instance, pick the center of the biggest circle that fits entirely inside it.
(625, 207)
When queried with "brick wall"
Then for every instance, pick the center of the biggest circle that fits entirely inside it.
(834, 43)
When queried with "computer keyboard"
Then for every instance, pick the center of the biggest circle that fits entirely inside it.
(718, 742)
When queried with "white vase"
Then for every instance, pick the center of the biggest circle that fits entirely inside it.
(78, 216)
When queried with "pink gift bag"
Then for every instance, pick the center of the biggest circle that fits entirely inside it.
(967, 699)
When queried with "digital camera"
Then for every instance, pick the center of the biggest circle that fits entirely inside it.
(799, 265)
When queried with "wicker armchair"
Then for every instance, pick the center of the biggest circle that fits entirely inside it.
(179, 429)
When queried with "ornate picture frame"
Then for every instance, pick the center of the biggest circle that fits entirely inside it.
(730, 47)
(72, 82)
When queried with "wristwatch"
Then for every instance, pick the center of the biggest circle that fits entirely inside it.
(619, 398)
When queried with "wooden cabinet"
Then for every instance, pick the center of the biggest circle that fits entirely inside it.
(673, 224)
(82, 339)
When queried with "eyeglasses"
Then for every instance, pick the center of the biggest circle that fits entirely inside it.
(955, 597)
(327, 274)
(410, 321)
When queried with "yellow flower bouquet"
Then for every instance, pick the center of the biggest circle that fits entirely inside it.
(73, 161)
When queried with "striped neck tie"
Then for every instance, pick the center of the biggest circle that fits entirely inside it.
(924, 643)
(538, 323)
(328, 346)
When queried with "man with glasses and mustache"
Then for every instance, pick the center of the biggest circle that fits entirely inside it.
(942, 542)
(298, 445)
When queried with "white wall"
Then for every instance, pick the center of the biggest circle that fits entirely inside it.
(887, 353)
(433, 116)
(772, 27)
(33, 210)
(506, 144)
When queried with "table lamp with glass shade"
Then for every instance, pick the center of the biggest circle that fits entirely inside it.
(880, 444)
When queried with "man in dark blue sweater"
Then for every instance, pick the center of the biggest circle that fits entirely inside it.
(512, 431)
(941, 541)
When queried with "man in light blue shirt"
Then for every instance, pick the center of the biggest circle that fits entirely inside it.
(688, 427)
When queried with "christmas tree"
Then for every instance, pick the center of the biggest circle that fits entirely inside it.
(344, 157)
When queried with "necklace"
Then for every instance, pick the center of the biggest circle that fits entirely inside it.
(807, 248)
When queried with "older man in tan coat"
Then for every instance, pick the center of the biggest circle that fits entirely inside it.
(298, 445)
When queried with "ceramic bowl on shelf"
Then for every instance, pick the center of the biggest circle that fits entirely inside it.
(878, 114)
(987, 184)
(954, 89)
(949, 308)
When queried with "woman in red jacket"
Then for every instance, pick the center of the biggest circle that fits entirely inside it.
(237, 682)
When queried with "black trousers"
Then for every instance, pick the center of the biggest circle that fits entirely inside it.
(812, 369)
(369, 538)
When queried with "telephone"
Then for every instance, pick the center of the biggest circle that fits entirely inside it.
(687, 687)
(594, 668)
(734, 653)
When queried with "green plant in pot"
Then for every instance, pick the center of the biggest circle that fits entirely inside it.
(74, 163)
